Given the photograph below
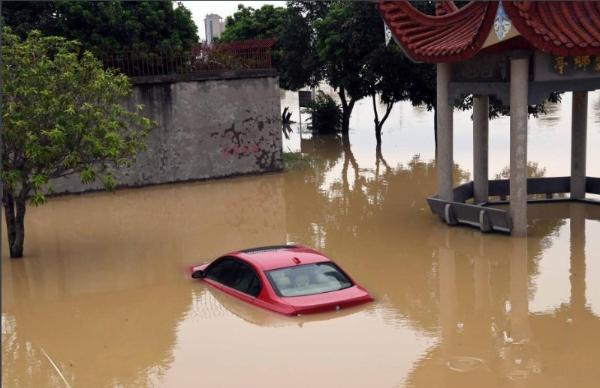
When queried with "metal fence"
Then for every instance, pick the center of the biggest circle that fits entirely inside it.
(242, 55)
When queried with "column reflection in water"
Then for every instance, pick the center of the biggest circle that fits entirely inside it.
(577, 275)
(448, 300)
(482, 278)
(465, 311)
(519, 354)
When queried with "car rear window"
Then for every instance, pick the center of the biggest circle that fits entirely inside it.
(308, 279)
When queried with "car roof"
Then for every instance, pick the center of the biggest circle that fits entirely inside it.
(280, 256)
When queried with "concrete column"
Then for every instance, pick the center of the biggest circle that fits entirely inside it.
(444, 159)
(480, 147)
(519, 77)
(578, 143)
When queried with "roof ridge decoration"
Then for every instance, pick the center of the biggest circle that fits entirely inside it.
(561, 28)
(502, 23)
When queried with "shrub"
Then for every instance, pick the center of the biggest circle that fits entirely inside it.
(326, 114)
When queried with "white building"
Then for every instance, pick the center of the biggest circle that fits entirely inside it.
(213, 27)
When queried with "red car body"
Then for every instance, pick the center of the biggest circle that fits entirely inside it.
(265, 259)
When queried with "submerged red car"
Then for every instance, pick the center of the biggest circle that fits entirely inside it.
(288, 279)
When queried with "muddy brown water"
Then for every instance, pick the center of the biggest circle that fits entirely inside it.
(102, 300)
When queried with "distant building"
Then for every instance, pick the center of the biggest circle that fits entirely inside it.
(213, 27)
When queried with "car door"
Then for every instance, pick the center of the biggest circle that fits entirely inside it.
(235, 277)
(221, 271)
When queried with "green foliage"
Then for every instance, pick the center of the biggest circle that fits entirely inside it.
(345, 38)
(386, 73)
(326, 114)
(62, 114)
(249, 23)
(534, 170)
(293, 54)
(108, 27)
(296, 160)
(297, 59)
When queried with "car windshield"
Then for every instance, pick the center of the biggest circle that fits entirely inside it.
(308, 279)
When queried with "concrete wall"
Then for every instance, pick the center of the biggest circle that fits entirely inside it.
(207, 128)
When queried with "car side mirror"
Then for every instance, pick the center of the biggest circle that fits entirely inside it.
(198, 274)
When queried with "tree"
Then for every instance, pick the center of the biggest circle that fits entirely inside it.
(389, 74)
(294, 56)
(249, 23)
(107, 28)
(345, 38)
(298, 60)
(62, 115)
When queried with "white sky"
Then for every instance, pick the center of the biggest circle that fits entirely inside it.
(200, 9)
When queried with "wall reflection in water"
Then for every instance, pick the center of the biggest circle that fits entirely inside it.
(102, 299)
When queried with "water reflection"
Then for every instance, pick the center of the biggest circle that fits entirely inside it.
(488, 337)
(209, 303)
(103, 288)
(102, 299)
(53, 331)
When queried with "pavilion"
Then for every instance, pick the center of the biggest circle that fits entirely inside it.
(519, 52)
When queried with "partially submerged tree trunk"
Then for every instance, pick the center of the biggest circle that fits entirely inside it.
(14, 212)
(378, 123)
(349, 156)
(347, 107)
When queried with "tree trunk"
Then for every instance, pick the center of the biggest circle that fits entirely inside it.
(379, 123)
(376, 120)
(347, 107)
(345, 120)
(14, 211)
(9, 215)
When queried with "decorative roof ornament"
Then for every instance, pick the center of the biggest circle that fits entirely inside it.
(388, 33)
(502, 23)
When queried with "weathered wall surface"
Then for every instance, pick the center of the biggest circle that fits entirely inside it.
(207, 128)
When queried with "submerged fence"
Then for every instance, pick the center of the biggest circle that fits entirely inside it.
(203, 59)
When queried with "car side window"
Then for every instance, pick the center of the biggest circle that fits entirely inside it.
(235, 274)
(222, 271)
(246, 280)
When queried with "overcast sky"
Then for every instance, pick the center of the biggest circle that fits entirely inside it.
(222, 8)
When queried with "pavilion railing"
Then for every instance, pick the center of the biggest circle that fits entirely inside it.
(202, 59)
(488, 219)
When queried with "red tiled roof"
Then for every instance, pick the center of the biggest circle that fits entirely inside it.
(446, 37)
(443, 7)
(457, 34)
(566, 28)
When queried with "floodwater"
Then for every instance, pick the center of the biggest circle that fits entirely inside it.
(102, 300)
